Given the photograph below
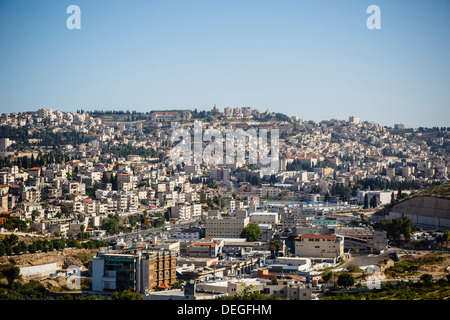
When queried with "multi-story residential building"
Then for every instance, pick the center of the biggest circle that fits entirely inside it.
(74, 187)
(354, 120)
(121, 201)
(196, 211)
(125, 178)
(101, 208)
(77, 206)
(57, 227)
(136, 269)
(181, 211)
(31, 194)
(219, 174)
(90, 206)
(227, 111)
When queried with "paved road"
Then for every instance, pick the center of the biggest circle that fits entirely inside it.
(364, 259)
(369, 259)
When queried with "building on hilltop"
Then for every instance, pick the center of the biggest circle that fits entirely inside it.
(165, 116)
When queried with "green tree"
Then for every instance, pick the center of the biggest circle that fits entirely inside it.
(353, 268)
(10, 240)
(115, 182)
(16, 250)
(427, 279)
(127, 295)
(251, 232)
(396, 227)
(22, 246)
(345, 280)
(65, 207)
(105, 178)
(366, 201)
(446, 235)
(373, 202)
(274, 245)
(326, 277)
(32, 248)
(111, 225)
(177, 285)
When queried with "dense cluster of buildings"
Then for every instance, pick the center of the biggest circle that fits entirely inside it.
(119, 165)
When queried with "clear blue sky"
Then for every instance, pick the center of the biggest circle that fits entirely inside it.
(313, 59)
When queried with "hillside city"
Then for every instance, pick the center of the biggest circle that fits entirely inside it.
(345, 213)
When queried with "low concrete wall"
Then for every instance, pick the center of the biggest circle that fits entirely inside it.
(41, 269)
(425, 206)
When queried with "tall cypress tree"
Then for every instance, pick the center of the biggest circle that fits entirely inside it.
(366, 201)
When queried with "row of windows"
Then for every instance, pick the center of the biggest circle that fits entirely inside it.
(225, 229)
(319, 240)
(302, 246)
(167, 263)
(166, 273)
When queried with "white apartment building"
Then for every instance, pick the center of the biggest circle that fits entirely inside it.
(225, 227)
(61, 228)
(270, 218)
(273, 192)
(196, 211)
(181, 211)
(77, 206)
(319, 246)
(121, 202)
(89, 206)
(101, 208)
(188, 235)
(229, 203)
